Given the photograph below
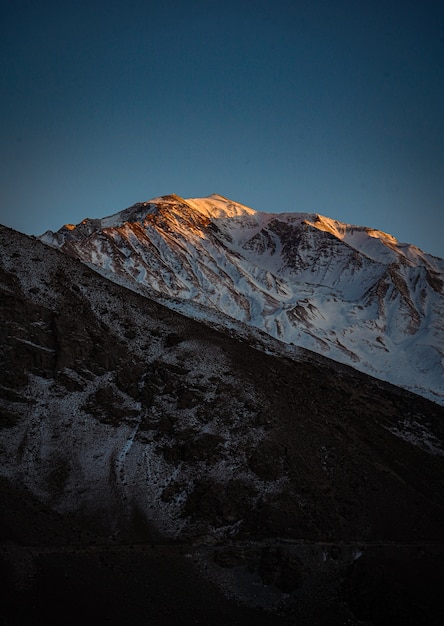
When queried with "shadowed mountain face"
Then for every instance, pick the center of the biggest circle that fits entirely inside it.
(351, 293)
(170, 472)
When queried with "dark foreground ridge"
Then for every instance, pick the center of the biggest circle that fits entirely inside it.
(155, 470)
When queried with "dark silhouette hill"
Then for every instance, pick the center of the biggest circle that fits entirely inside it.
(157, 470)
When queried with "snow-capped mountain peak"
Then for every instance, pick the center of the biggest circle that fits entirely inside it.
(350, 292)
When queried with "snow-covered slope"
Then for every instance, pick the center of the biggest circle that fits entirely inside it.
(352, 293)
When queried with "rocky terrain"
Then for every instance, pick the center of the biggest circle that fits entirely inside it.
(156, 469)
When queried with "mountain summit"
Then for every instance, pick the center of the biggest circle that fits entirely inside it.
(352, 293)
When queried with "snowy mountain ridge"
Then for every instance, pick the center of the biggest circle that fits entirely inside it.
(351, 293)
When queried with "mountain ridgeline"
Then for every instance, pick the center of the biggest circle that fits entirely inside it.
(351, 293)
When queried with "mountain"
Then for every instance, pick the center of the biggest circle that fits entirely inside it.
(351, 293)
(156, 469)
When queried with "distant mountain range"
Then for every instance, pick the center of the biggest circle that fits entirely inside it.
(348, 292)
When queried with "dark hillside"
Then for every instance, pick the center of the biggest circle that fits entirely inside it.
(170, 473)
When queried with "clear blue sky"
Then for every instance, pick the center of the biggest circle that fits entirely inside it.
(331, 106)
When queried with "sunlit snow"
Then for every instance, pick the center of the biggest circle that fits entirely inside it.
(350, 292)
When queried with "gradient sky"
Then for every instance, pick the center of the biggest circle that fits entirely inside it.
(335, 107)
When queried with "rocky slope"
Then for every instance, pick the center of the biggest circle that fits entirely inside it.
(146, 455)
(351, 293)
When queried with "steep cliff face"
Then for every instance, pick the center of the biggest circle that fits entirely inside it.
(351, 293)
(125, 422)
